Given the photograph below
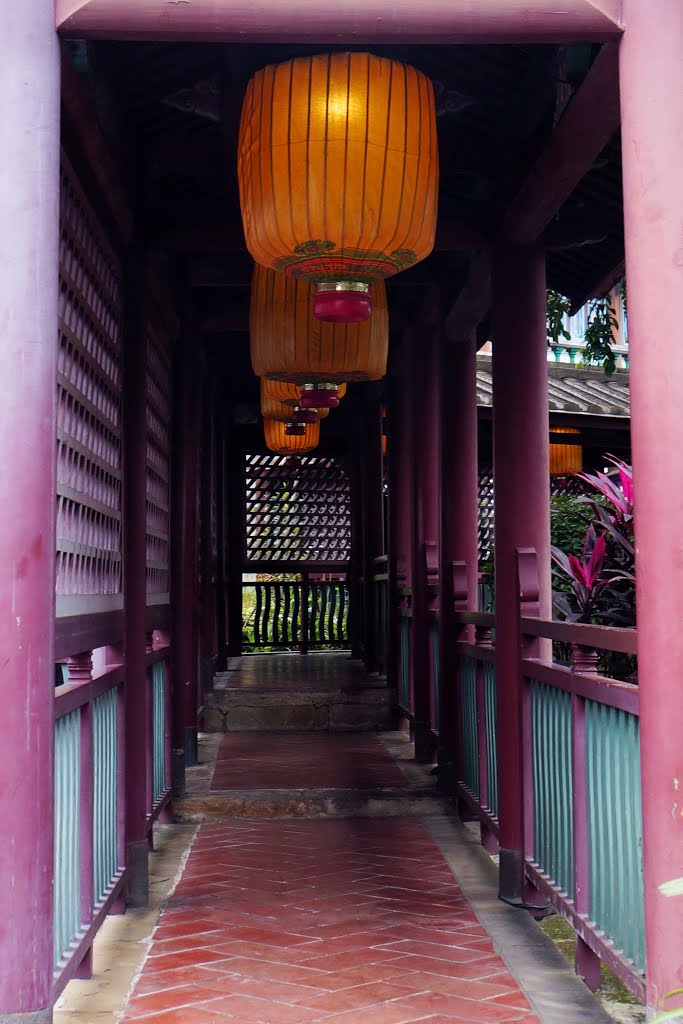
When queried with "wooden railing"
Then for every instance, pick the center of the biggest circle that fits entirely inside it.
(305, 614)
(90, 778)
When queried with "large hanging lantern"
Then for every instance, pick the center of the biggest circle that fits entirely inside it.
(338, 173)
(283, 443)
(565, 458)
(288, 344)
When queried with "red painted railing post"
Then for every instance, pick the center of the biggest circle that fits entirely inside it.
(29, 213)
(522, 515)
(651, 81)
(458, 516)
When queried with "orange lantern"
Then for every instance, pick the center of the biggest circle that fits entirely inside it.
(288, 344)
(565, 458)
(338, 172)
(280, 401)
(283, 443)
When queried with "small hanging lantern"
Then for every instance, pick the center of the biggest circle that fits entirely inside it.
(288, 344)
(338, 172)
(282, 401)
(297, 443)
(565, 458)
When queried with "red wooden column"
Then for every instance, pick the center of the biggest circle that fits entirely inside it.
(184, 564)
(138, 711)
(651, 75)
(373, 519)
(29, 213)
(400, 500)
(235, 548)
(458, 520)
(522, 514)
(425, 522)
(357, 611)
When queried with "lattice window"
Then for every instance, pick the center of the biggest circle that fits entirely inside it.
(297, 511)
(88, 401)
(158, 416)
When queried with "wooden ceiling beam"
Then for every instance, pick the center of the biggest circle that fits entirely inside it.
(358, 21)
(473, 302)
(587, 125)
(601, 287)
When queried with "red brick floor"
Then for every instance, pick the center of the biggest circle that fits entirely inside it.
(351, 921)
(259, 760)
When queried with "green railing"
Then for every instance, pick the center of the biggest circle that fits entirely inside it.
(489, 670)
(468, 718)
(67, 887)
(404, 663)
(105, 796)
(160, 781)
(615, 828)
(435, 670)
(551, 714)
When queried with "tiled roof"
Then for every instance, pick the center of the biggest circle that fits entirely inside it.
(571, 389)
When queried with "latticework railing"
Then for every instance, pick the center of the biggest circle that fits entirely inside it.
(158, 417)
(297, 512)
(88, 403)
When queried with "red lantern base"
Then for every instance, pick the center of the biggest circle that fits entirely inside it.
(342, 307)
(295, 429)
(319, 398)
(305, 416)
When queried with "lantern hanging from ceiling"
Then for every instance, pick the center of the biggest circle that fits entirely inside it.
(279, 441)
(566, 457)
(289, 344)
(338, 172)
(279, 399)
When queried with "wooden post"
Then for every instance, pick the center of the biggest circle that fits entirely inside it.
(522, 513)
(425, 524)
(373, 513)
(458, 520)
(184, 556)
(235, 542)
(651, 64)
(29, 213)
(138, 710)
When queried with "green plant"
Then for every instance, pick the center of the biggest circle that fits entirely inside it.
(599, 336)
(557, 307)
(569, 520)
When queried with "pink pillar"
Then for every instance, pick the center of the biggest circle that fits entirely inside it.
(458, 520)
(425, 522)
(138, 703)
(399, 443)
(522, 515)
(652, 153)
(184, 555)
(29, 214)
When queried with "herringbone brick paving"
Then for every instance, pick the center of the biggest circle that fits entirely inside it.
(353, 921)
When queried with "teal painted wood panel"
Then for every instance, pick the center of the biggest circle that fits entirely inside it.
(105, 804)
(67, 895)
(404, 677)
(551, 717)
(468, 709)
(159, 781)
(615, 828)
(491, 736)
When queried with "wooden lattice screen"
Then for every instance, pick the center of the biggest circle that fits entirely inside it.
(88, 405)
(158, 416)
(297, 511)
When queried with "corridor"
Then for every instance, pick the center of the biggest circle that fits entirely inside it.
(327, 881)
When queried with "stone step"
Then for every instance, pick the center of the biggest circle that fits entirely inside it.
(348, 708)
(308, 803)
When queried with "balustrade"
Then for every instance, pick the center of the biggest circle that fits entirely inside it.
(305, 614)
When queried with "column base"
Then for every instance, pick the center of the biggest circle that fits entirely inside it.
(191, 748)
(32, 1017)
(446, 776)
(137, 865)
(513, 887)
(178, 773)
(425, 744)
